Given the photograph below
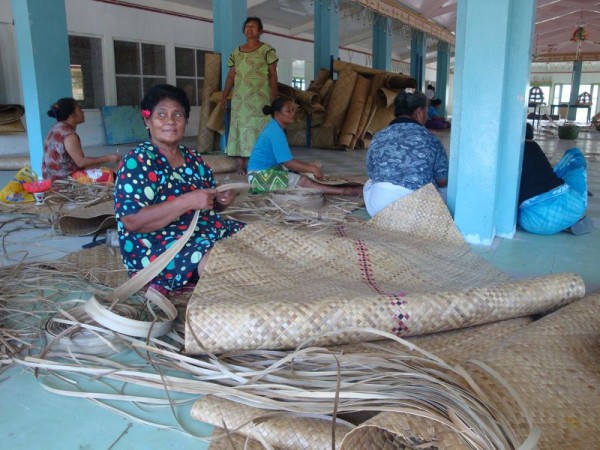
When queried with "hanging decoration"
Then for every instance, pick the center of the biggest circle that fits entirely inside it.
(580, 34)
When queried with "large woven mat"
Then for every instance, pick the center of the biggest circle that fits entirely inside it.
(273, 287)
(554, 367)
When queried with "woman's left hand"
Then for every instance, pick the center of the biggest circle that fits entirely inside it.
(224, 198)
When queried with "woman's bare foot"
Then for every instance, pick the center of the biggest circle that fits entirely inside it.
(353, 191)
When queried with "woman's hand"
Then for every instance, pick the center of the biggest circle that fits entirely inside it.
(224, 199)
(116, 158)
(316, 171)
(202, 198)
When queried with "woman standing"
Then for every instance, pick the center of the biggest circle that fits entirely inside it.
(253, 77)
(63, 155)
(159, 186)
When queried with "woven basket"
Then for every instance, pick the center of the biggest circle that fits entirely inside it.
(568, 131)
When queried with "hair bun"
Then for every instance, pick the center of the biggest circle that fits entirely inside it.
(267, 110)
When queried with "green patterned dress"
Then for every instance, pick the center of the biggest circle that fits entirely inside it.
(251, 91)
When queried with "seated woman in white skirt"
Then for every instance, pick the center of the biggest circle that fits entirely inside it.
(404, 156)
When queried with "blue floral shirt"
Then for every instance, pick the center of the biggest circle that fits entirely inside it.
(406, 154)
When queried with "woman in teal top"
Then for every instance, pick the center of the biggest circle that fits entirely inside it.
(271, 165)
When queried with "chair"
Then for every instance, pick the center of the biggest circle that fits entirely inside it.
(584, 99)
(536, 100)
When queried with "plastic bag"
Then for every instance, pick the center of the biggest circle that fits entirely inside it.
(14, 192)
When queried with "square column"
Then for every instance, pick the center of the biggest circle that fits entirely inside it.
(44, 66)
(442, 73)
(417, 58)
(382, 43)
(490, 107)
(327, 35)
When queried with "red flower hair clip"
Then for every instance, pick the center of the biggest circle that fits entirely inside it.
(146, 113)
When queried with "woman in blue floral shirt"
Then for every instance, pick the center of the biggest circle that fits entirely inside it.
(158, 187)
(404, 156)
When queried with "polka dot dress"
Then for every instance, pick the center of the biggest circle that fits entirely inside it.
(145, 177)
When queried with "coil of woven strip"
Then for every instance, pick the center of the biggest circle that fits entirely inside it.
(64, 332)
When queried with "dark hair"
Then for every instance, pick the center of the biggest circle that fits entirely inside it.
(158, 93)
(276, 105)
(430, 86)
(407, 103)
(436, 102)
(528, 131)
(253, 19)
(62, 109)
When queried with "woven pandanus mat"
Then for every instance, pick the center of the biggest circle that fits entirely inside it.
(430, 219)
(273, 287)
(357, 105)
(220, 163)
(212, 75)
(86, 219)
(101, 264)
(280, 430)
(14, 162)
(340, 100)
(553, 366)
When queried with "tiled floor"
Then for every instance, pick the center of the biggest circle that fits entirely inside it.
(33, 418)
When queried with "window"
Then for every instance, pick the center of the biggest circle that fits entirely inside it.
(562, 94)
(87, 77)
(298, 83)
(189, 72)
(138, 67)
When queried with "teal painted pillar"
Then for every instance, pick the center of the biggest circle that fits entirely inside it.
(443, 71)
(228, 22)
(488, 123)
(44, 66)
(575, 84)
(418, 52)
(382, 44)
(326, 35)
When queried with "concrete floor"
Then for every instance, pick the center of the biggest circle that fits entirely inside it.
(32, 417)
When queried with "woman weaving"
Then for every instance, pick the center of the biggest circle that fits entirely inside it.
(271, 165)
(159, 186)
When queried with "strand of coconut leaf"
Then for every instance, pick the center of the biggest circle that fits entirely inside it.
(267, 209)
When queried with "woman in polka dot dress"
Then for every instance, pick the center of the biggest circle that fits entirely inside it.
(158, 187)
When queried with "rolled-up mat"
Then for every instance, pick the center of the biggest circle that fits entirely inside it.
(307, 97)
(385, 97)
(362, 276)
(340, 100)
(381, 119)
(216, 120)
(286, 91)
(16, 162)
(322, 76)
(355, 110)
(212, 76)
(368, 110)
(10, 113)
